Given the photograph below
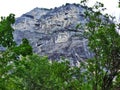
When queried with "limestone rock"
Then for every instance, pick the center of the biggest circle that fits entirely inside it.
(53, 32)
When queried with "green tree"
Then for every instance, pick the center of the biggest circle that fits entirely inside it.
(37, 73)
(104, 42)
(6, 37)
(9, 57)
(20, 70)
(23, 49)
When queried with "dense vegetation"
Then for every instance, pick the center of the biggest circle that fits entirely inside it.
(21, 69)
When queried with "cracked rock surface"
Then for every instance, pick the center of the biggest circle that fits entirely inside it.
(53, 32)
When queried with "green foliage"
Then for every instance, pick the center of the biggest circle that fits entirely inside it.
(104, 41)
(20, 69)
(12, 53)
(23, 49)
(33, 71)
(37, 73)
(6, 37)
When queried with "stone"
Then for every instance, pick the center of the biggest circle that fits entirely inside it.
(53, 32)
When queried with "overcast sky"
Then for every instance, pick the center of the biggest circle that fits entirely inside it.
(19, 7)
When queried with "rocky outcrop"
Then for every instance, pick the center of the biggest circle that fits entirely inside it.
(53, 32)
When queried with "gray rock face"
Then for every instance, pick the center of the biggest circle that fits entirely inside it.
(53, 32)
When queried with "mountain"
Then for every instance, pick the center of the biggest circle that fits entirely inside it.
(53, 32)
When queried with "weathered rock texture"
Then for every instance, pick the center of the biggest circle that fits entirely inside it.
(53, 32)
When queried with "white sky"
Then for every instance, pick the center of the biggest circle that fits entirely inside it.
(19, 7)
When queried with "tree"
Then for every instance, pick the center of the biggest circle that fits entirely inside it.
(6, 37)
(23, 49)
(104, 42)
(37, 73)
(9, 57)
(20, 69)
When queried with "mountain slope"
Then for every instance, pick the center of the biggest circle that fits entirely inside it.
(53, 32)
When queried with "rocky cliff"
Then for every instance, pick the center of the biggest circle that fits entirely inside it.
(53, 32)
